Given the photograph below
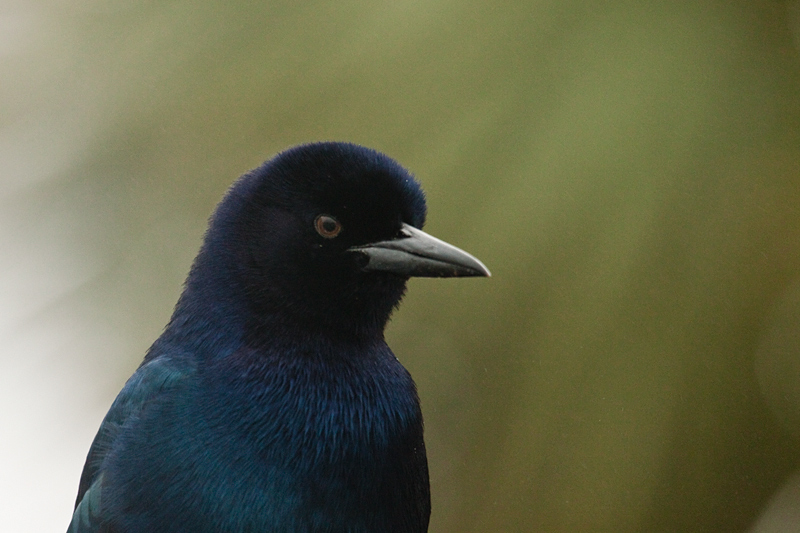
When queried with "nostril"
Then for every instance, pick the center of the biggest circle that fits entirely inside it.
(362, 259)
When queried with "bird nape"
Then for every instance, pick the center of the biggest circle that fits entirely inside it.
(271, 402)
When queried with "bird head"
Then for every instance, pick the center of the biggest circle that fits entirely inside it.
(320, 238)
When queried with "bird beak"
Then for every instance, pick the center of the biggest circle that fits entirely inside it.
(415, 253)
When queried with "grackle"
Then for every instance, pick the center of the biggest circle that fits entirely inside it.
(271, 402)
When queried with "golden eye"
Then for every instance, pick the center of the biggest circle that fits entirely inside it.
(327, 226)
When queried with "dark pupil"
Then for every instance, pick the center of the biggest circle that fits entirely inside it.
(329, 225)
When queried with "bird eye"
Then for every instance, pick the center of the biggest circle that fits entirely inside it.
(327, 226)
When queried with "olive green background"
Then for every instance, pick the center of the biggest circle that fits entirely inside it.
(629, 171)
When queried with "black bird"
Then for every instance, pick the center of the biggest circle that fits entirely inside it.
(271, 402)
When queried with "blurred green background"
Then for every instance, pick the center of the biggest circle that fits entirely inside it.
(629, 171)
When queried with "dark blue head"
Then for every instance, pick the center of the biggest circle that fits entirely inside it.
(308, 243)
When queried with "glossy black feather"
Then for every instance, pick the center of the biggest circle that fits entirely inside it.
(271, 401)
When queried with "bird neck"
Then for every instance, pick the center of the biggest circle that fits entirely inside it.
(215, 330)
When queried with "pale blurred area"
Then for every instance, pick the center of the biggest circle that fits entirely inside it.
(630, 172)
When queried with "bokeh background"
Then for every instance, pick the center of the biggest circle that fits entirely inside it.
(630, 172)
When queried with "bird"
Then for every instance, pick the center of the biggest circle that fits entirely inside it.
(271, 401)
